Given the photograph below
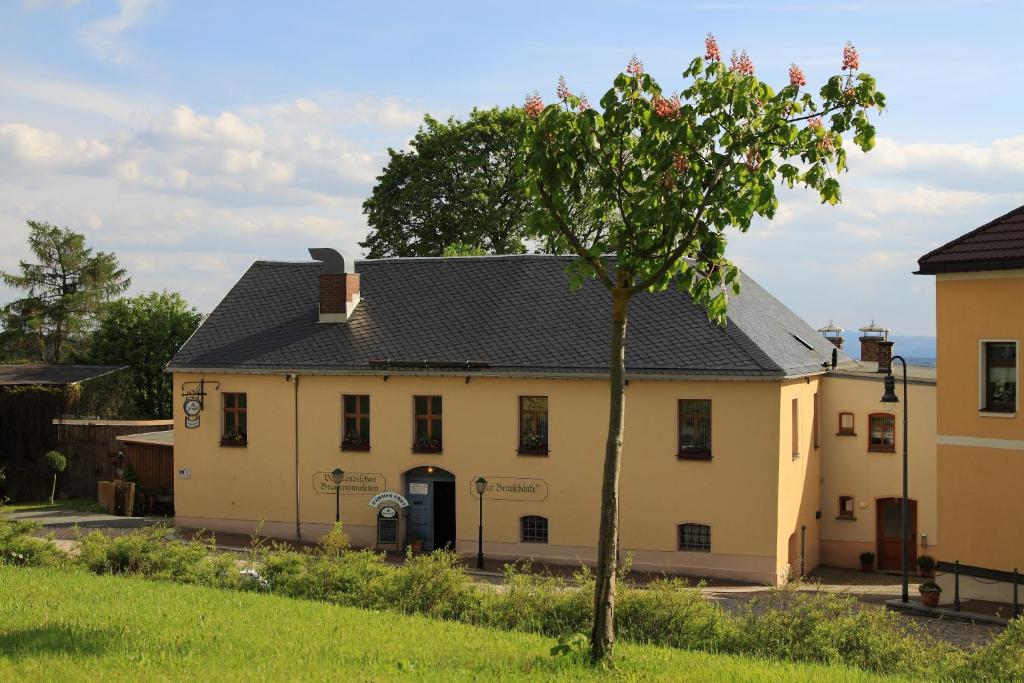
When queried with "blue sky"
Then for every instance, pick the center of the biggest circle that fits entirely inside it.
(193, 137)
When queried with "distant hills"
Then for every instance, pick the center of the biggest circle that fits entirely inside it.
(917, 350)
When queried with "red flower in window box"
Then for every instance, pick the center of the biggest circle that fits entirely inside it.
(425, 445)
(353, 441)
(234, 439)
(533, 444)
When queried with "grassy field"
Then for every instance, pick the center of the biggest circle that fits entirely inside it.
(41, 505)
(60, 625)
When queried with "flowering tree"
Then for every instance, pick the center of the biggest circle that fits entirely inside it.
(644, 190)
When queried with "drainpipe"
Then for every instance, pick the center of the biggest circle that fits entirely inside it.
(298, 518)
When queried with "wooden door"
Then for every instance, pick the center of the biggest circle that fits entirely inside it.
(888, 533)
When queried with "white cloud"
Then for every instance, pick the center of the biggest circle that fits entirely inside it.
(104, 36)
(36, 147)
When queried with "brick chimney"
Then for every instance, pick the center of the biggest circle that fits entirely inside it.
(875, 346)
(833, 333)
(339, 287)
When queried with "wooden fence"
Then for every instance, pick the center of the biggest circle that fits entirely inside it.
(91, 448)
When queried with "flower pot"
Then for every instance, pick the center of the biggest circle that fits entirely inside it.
(866, 566)
(930, 599)
(926, 573)
(417, 546)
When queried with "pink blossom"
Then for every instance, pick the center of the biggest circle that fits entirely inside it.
(635, 67)
(563, 90)
(814, 122)
(711, 52)
(851, 60)
(534, 104)
(584, 103)
(825, 144)
(666, 108)
(796, 76)
(753, 159)
(741, 63)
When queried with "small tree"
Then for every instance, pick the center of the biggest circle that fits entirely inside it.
(56, 462)
(643, 192)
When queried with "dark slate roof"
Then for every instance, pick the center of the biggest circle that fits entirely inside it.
(997, 245)
(52, 374)
(514, 313)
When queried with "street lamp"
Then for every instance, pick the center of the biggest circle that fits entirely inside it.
(481, 486)
(890, 397)
(337, 475)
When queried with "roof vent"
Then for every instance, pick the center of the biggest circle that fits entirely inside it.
(339, 287)
(833, 333)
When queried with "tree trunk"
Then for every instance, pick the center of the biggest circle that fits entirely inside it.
(603, 637)
(53, 491)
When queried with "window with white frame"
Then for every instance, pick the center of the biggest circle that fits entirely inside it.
(999, 376)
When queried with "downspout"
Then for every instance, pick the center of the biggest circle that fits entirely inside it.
(298, 518)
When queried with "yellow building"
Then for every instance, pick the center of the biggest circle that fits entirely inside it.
(417, 377)
(979, 291)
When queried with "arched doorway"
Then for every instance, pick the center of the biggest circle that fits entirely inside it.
(888, 533)
(431, 515)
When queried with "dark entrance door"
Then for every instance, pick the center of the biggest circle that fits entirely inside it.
(444, 515)
(888, 533)
(431, 514)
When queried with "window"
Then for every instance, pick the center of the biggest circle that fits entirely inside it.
(814, 425)
(846, 425)
(1000, 379)
(235, 427)
(795, 431)
(533, 529)
(694, 429)
(845, 507)
(355, 422)
(695, 537)
(428, 424)
(882, 433)
(533, 425)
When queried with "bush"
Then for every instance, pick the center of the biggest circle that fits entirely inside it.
(17, 547)
(433, 584)
(926, 563)
(671, 612)
(1000, 660)
(538, 603)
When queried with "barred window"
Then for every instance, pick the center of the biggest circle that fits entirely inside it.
(882, 432)
(534, 529)
(694, 429)
(695, 537)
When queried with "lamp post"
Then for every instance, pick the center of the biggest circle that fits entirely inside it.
(890, 397)
(481, 486)
(337, 476)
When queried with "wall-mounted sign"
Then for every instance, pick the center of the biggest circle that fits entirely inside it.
(352, 483)
(419, 488)
(389, 497)
(512, 488)
(184, 473)
(194, 394)
(387, 512)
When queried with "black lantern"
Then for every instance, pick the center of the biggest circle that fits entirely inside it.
(481, 487)
(336, 476)
(890, 390)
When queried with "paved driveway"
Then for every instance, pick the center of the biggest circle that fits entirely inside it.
(62, 522)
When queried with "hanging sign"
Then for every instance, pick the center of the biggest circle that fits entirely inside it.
(389, 497)
(352, 483)
(193, 406)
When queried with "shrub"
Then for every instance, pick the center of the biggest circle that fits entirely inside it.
(926, 562)
(671, 612)
(1000, 660)
(55, 462)
(867, 558)
(539, 603)
(17, 547)
(434, 585)
(929, 587)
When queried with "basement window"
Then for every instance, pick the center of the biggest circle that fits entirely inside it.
(533, 529)
(695, 537)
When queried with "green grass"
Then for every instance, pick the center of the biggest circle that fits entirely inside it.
(73, 626)
(42, 505)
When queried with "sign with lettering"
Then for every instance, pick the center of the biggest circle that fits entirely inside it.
(512, 488)
(389, 497)
(184, 473)
(352, 483)
(192, 408)
(419, 488)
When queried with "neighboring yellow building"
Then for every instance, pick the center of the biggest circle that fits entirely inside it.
(416, 377)
(979, 295)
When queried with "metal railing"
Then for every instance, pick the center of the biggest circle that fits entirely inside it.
(981, 575)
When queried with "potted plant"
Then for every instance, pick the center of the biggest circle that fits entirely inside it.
(867, 561)
(416, 543)
(930, 592)
(353, 441)
(233, 438)
(533, 443)
(926, 567)
(426, 445)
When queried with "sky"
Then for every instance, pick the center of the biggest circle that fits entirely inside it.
(192, 138)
